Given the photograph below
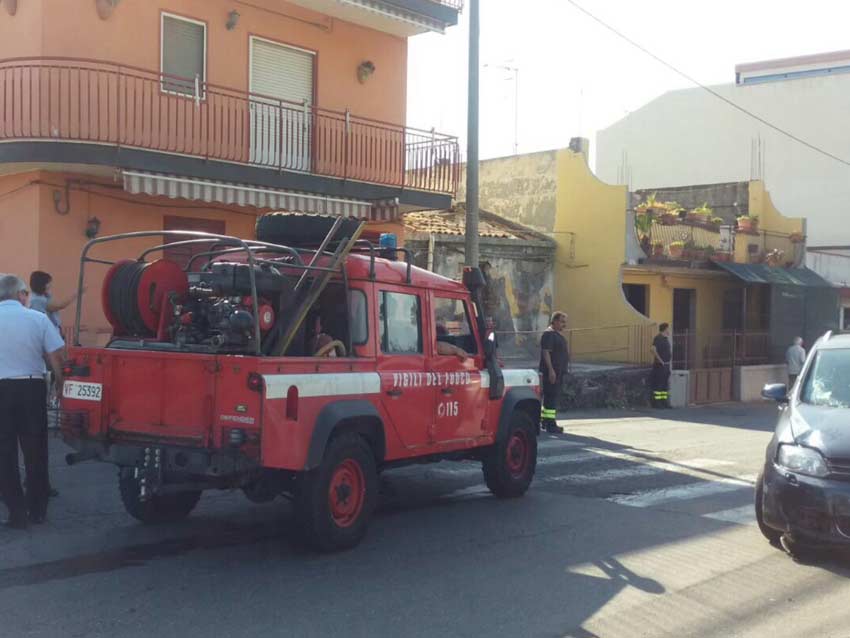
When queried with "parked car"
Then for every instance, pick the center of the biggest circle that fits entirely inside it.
(803, 493)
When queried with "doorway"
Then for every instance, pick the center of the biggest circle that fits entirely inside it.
(684, 328)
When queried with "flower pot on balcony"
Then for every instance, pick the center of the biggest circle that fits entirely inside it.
(676, 250)
(669, 219)
(657, 250)
(796, 238)
(748, 224)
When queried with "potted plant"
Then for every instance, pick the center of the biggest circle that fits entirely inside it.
(774, 258)
(796, 237)
(676, 249)
(747, 224)
(721, 257)
(658, 248)
(716, 222)
(669, 218)
(700, 215)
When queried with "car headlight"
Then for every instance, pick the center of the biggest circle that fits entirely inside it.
(801, 459)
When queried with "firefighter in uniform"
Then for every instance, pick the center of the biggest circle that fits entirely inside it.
(554, 360)
(659, 379)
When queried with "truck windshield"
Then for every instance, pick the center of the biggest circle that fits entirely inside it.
(828, 380)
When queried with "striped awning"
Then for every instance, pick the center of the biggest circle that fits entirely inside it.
(161, 185)
(393, 12)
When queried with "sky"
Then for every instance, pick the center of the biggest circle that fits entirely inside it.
(576, 78)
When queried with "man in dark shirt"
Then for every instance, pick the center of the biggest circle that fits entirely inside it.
(554, 360)
(662, 355)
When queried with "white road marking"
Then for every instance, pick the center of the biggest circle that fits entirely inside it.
(684, 492)
(745, 515)
(693, 467)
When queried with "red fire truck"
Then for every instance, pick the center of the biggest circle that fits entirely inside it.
(300, 364)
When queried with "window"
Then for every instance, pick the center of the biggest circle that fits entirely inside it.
(636, 295)
(358, 318)
(184, 44)
(827, 383)
(401, 329)
(453, 325)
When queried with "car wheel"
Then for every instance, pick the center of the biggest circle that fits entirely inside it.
(769, 533)
(509, 467)
(334, 502)
(161, 508)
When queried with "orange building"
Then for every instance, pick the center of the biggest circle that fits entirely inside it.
(202, 114)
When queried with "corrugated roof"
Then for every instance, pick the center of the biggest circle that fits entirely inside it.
(453, 222)
(762, 274)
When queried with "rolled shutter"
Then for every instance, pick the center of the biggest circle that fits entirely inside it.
(281, 72)
(182, 54)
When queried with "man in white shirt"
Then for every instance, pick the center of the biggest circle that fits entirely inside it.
(795, 357)
(27, 338)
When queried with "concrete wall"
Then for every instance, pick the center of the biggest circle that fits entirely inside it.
(690, 137)
(522, 273)
(522, 188)
(131, 36)
(748, 381)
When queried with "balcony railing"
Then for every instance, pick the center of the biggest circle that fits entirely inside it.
(98, 102)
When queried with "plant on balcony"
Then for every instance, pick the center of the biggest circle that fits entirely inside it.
(748, 224)
(796, 237)
(643, 224)
(717, 222)
(700, 215)
(657, 249)
(676, 249)
(774, 258)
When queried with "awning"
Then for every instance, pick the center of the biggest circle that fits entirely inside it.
(762, 274)
(157, 184)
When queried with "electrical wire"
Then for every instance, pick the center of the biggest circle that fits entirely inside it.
(708, 89)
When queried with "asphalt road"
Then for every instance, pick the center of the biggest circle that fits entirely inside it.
(635, 526)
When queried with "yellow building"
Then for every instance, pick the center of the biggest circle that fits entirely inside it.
(730, 298)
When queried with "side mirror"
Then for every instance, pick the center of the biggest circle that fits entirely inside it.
(775, 392)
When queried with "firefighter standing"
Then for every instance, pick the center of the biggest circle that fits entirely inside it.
(554, 360)
(660, 377)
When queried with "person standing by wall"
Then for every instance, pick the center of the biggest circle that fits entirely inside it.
(795, 357)
(554, 361)
(28, 338)
(659, 379)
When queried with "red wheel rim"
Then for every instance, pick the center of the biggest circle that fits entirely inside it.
(517, 454)
(347, 493)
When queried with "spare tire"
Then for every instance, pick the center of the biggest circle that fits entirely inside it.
(301, 229)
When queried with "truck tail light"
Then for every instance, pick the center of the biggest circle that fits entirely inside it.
(71, 369)
(255, 382)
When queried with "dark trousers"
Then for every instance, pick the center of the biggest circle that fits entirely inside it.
(23, 421)
(551, 396)
(659, 381)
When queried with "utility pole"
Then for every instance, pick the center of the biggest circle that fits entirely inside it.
(472, 139)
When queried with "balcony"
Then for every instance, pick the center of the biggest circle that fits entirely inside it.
(99, 103)
(402, 18)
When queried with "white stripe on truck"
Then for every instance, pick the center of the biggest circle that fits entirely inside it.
(322, 385)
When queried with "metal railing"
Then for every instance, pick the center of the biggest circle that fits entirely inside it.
(74, 100)
(729, 348)
(621, 345)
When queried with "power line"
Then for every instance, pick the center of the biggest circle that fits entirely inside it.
(734, 105)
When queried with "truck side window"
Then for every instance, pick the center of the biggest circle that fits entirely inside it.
(401, 327)
(358, 319)
(453, 324)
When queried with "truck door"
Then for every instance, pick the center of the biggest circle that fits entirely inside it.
(405, 393)
(461, 402)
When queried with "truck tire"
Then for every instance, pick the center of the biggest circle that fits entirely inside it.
(334, 503)
(299, 229)
(509, 467)
(162, 508)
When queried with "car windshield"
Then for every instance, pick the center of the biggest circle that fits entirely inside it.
(828, 380)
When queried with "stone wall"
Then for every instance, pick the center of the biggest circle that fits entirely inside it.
(620, 388)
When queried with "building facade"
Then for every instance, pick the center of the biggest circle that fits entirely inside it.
(690, 136)
(203, 114)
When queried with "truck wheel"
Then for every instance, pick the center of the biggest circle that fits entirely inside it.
(769, 533)
(334, 502)
(509, 466)
(162, 508)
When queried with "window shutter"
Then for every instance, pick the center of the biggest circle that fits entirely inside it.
(281, 72)
(182, 54)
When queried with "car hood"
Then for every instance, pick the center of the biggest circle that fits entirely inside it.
(824, 429)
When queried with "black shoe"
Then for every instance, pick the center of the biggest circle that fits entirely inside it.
(17, 522)
(53, 493)
(554, 429)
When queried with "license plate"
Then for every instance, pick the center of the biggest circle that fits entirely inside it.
(82, 391)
